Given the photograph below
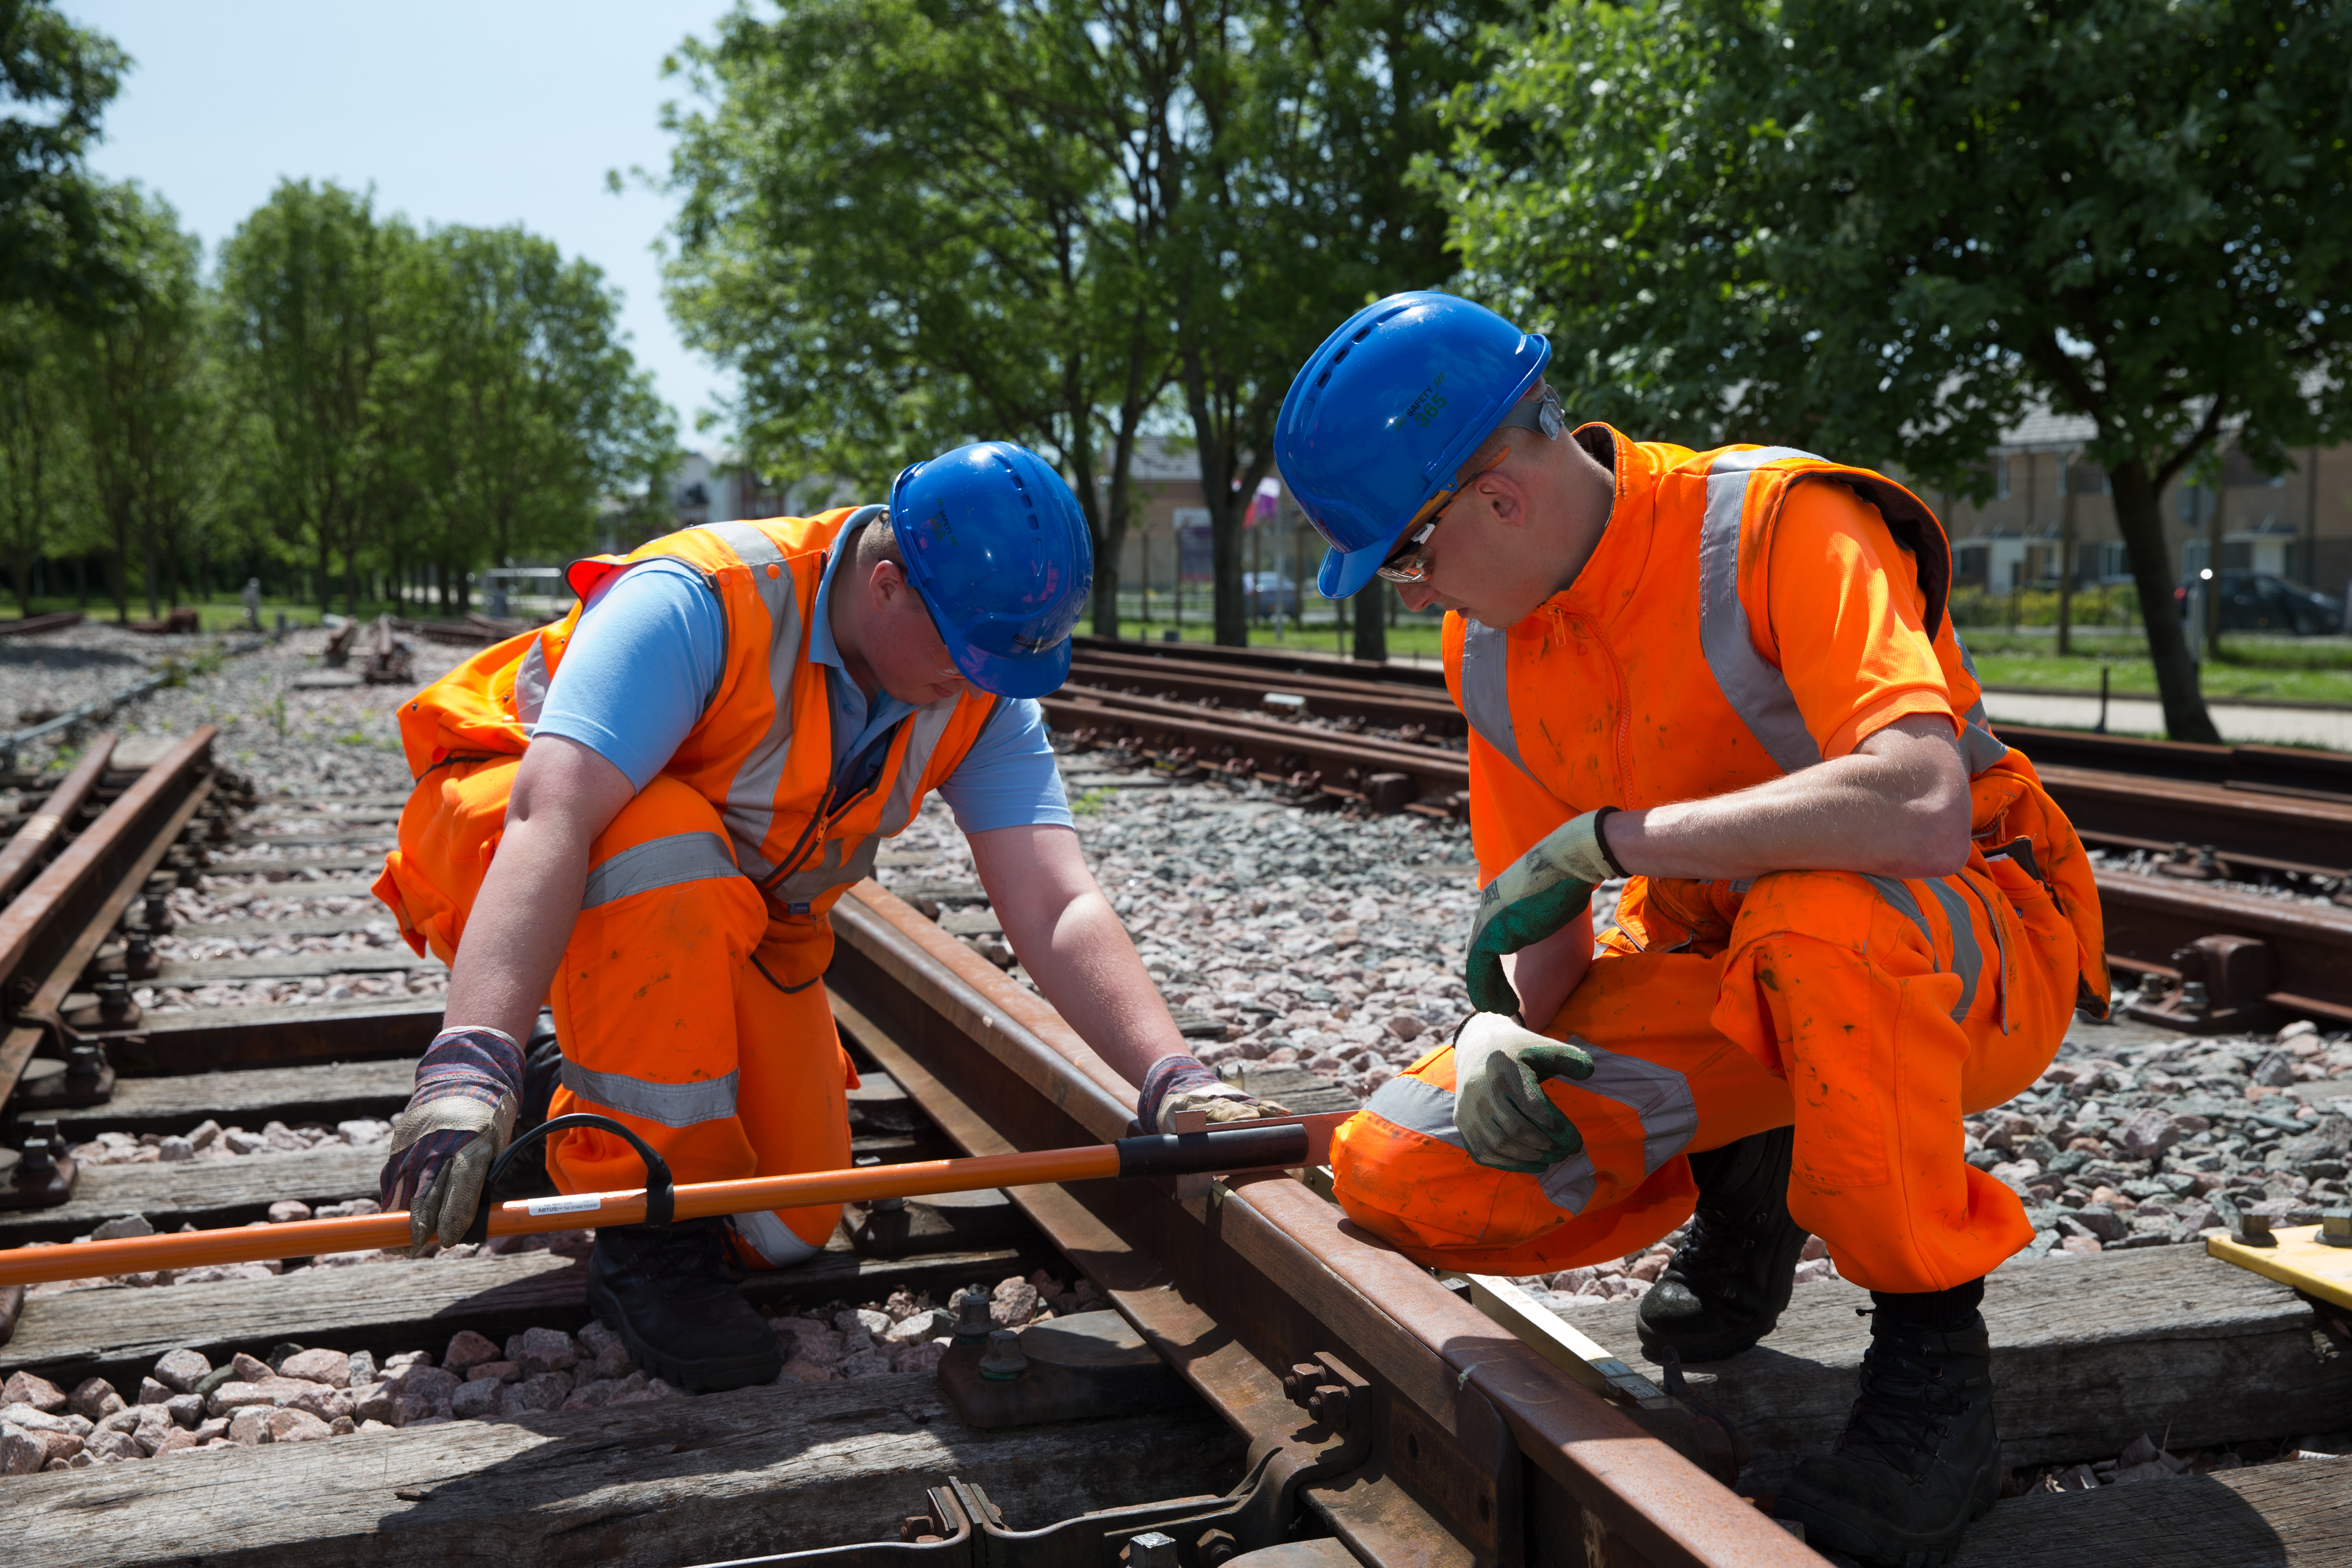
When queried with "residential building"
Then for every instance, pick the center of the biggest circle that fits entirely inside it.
(2297, 524)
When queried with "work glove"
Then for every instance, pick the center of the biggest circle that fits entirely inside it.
(1534, 897)
(1178, 1084)
(456, 1124)
(1506, 1121)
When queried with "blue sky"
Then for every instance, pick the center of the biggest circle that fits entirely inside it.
(492, 112)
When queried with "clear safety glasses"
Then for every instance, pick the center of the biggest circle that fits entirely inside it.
(1409, 563)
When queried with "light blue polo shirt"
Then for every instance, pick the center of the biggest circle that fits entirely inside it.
(645, 661)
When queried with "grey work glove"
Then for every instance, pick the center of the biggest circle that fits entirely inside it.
(1534, 897)
(1178, 1084)
(455, 1128)
(1506, 1121)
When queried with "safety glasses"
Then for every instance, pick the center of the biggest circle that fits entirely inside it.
(1409, 563)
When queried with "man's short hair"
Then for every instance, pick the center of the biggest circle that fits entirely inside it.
(1484, 454)
(877, 541)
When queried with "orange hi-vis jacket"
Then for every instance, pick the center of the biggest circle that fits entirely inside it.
(1667, 673)
(761, 752)
(1665, 696)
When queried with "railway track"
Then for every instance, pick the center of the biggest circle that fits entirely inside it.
(1309, 1391)
(2210, 824)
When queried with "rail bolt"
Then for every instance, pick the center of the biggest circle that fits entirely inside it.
(1215, 1547)
(2255, 1231)
(1004, 1362)
(2335, 1228)
(1151, 1550)
(973, 1320)
(1331, 1405)
(919, 1527)
(1300, 1382)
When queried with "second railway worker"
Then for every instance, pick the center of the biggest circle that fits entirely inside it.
(1851, 918)
(643, 813)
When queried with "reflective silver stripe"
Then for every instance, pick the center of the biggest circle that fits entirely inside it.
(669, 1104)
(1967, 958)
(658, 862)
(1757, 692)
(841, 868)
(531, 681)
(751, 805)
(773, 1239)
(1418, 1106)
(1899, 894)
(2000, 942)
(1486, 689)
(1979, 745)
(1659, 1095)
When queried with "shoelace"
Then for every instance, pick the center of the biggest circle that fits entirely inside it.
(1905, 1409)
(696, 1252)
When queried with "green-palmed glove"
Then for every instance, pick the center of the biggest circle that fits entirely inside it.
(1506, 1121)
(1536, 896)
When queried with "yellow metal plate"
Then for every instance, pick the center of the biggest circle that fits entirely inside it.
(2299, 1259)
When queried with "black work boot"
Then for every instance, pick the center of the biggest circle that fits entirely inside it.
(670, 1293)
(1731, 1277)
(1919, 1459)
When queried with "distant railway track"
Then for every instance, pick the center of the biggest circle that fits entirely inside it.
(1379, 738)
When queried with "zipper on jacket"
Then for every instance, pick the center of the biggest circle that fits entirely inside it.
(1624, 709)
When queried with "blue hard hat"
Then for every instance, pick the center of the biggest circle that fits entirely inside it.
(996, 547)
(1386, 410)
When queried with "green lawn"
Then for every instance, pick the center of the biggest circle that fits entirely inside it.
(2251, 668)
(222, 613)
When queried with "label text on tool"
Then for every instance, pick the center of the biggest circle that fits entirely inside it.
(580, 1203)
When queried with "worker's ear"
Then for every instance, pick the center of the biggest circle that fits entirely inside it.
(1502, 494)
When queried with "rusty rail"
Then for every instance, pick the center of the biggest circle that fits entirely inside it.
(41, 831)
(50, 932)
(1478, 1442)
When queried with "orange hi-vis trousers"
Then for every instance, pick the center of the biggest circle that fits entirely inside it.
(1874, 1013)
(669, 1020)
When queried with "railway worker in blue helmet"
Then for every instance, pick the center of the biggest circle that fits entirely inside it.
(641, 815)
(1850, 914)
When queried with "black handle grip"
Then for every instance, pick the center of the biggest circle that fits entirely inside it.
(659, 1201)
(1240, 1147)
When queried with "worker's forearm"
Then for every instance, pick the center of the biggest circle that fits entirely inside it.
(1898, 809)
(1083, 963)
(517, 931)
(1545, 973)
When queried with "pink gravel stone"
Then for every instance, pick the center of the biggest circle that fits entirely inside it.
(94, 1398)
(543, 1350)
(466, 1351)
(494, 1372)
(26, 1388)
(298, 1426)
(332, 1367)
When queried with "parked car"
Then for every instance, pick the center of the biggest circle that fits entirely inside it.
(1269, 594)
(2261, 601)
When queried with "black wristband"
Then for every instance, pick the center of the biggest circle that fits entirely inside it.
(1600, 838)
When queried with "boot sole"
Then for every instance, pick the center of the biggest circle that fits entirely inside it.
(1836, 1533)
(1699, 1349)
(707, 1377)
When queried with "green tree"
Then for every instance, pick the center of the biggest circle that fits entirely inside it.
(1882, 229)
(54, 80)
(135, 364)
(305, 286)
(1303, 117)
(513, 404)
(909, 224)
(40, 454)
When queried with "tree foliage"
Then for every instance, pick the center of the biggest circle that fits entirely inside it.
(910, 223)
(55, 79)
(1882, 229)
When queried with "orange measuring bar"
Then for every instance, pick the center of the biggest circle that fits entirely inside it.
(1245, 1147)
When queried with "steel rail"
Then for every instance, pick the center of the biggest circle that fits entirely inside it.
(50, 932)
(1372, 701)
(1232, 1279)
(1270, 660)
(2293, 833)
(44, 827)
(2151, 920)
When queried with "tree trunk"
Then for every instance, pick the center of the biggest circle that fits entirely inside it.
(2066, 558)
(1372, 625)
(2140, 519)
(2212, 577)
